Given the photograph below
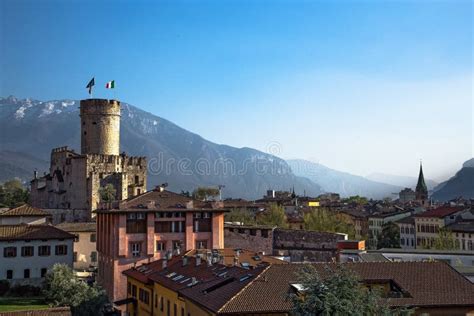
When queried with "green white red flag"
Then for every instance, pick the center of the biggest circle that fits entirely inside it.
(110, 84)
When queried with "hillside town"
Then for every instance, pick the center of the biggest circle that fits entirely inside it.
(152, 251)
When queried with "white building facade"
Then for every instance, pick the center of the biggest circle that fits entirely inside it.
(27, 252)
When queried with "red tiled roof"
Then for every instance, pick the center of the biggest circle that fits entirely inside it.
(156, 200)
(269, 292)
(32, 232)
(24, 210)
(442, 211)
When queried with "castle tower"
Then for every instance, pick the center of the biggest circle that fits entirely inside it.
(421, 191)
(100, 126)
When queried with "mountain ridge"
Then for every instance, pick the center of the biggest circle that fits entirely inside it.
(181, 158)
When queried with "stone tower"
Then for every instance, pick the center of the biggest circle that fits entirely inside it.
(100, 127)
(421, 191)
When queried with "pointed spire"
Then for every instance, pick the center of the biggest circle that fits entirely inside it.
(421, 188)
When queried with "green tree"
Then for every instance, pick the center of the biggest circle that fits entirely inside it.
(273, 216)
(356, 199)
(205, 193)
(241, 215)
(390, 236)
(107, 193)
(445, 240)
(13, 193)
(321, 219)
(63, 288)
(338, 293)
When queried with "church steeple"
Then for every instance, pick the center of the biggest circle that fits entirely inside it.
(421, 189)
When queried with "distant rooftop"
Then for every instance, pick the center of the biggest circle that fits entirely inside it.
(442, 211)
(32, 232)
(24, 210)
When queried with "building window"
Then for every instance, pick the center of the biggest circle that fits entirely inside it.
(253, 232)
(177, 244)
(175, 310)
(43, 272)
(93, 237)
(144, 296)
(74, 256)
(160, 246)
(94, 256)
(136, 249)
(9, 252)
(168, 311)
(264, 233)
(201, 244)
(60, 250)
(182, 311)
(9, 274)
(202, 225)
(161, 303)
(26, 273)
(27, 251)
(129, 288)
(136, 223)
(134, 291)
(44, 251)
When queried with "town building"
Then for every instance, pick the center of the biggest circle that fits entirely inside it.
(75, 180)
(190, 286)
(463, 233)
(293, 245)
(429, 223)
(28, 251)
(407, 232)
(85, 255)
(24, 214)
(378, 220)
(358, 219)
(407, 195)
(148, 226)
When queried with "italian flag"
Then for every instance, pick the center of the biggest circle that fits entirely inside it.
(110, 84)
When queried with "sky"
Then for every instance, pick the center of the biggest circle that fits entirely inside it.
(359, 86)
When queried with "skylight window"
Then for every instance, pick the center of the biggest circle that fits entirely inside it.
(172, 274)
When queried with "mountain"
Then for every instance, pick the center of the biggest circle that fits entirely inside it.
(461, 184)
(19, 165)
(401, 181)
(345, 184)
(31, 128)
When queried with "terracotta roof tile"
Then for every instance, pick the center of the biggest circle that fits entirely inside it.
(24, 210)
(32, 232)
(269, 292)
(441, 211)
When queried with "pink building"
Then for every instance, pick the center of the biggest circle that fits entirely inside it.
(147, 227)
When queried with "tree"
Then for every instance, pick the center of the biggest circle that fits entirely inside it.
(107, 193)
(339, 292)
(356, 199)
(273, 216)
(13, 193)
(321, 219)
(241, 215)
(205, 193)
(390, 237)
(62, 288)
(445, 240)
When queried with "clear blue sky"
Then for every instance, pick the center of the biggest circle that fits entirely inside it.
(363, 87)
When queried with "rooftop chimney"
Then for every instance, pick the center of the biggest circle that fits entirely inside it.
(198, 261)
(35, 174)
(185, 260)
(164, 263)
